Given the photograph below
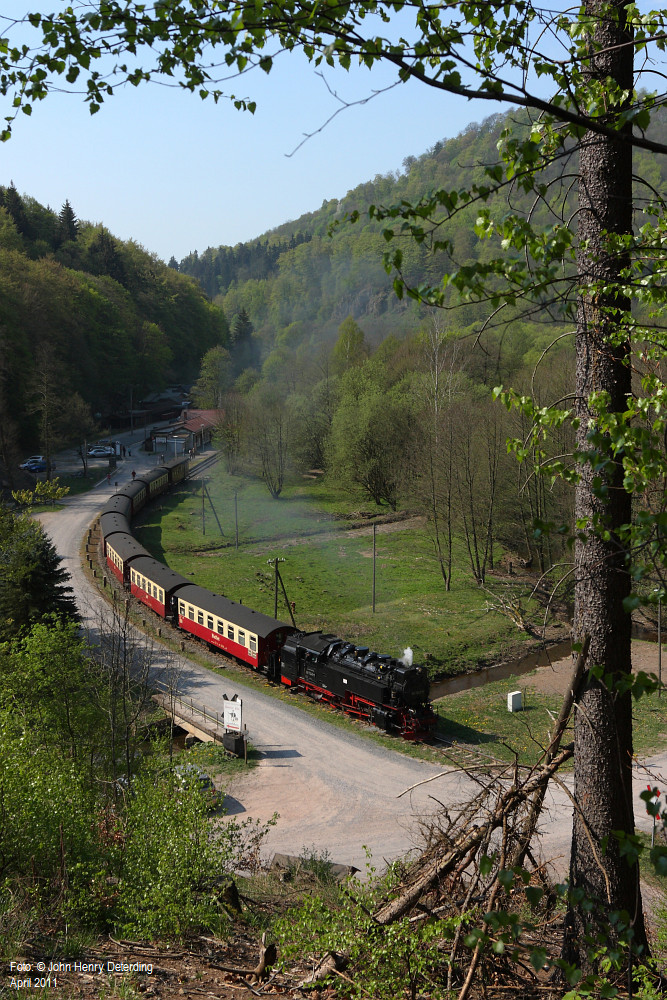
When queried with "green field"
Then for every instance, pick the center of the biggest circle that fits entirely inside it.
(479, 718)
(327, 546)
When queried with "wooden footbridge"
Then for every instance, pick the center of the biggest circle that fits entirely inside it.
(195, 719)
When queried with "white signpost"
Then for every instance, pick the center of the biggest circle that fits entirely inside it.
(233, 715)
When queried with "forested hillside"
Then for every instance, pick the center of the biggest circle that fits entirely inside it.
(328, 369)
(319, 269)
(87, 322)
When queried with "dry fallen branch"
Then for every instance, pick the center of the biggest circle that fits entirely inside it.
(447, 849)
(332, 962)
(426, 875)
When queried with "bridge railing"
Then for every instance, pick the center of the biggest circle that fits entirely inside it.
(171, 703)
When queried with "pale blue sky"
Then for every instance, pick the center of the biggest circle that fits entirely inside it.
(178, 174)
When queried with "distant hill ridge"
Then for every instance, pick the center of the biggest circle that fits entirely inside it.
(298, 273)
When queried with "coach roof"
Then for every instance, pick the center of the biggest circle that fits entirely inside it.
(126, 546)
(231, 611)
(158, 573)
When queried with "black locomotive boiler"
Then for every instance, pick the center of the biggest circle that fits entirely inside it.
(379, 689)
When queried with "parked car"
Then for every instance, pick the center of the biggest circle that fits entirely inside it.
(192, 776)
(35, 466)
(99, 452)
(31, 461)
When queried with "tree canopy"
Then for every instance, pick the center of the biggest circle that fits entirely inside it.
(113, 319)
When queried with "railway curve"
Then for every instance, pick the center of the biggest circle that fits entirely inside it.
(334, 791)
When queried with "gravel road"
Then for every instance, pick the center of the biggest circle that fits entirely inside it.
(334, 791)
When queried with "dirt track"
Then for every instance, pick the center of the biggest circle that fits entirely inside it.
(553, 679)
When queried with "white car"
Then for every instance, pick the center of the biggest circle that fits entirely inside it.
(100, 452)
(33, 460)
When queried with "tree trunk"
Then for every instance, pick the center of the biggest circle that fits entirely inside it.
(603, 723)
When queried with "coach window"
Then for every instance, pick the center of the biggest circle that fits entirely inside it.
(191, 613)
(241, 638)
(181, 609)
(200, 617)
(252, 643)
(230, 632)
(209, 623)
(220, 627)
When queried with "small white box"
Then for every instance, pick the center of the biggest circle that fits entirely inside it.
(514, 701)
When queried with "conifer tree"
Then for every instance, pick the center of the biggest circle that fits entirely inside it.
(244, 354)
(69, 224)
(33, 581)
(16, 208)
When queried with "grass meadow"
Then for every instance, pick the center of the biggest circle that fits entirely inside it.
(327, 548)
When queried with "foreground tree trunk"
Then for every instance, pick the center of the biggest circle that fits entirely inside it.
(603, 721)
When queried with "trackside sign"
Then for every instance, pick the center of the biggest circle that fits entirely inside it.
(233, 715)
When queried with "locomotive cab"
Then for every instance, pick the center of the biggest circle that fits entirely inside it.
(410, 684)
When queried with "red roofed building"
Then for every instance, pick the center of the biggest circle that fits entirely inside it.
(190, 433)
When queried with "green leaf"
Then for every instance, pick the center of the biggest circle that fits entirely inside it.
(485, 865)
(538, 958)
(534, 894)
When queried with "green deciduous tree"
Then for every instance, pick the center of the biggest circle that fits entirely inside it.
(231, 427)
(46, 491)
(350, 347)
(269, 429)
(173, 859)
(215, 378)
(49, 675)
(371, 435)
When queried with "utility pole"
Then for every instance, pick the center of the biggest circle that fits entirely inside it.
(203, 510)
(658, 592)
(275, 603)
(277, 578)
(374, 528)
(236, 517)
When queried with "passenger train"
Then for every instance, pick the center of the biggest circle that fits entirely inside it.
(377, 689)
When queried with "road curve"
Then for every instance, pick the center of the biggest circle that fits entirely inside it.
(334, 791)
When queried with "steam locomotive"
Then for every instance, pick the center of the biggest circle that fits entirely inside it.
(377, 689)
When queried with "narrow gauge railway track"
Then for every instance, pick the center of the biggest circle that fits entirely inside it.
(203, 466)
(467, 757)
